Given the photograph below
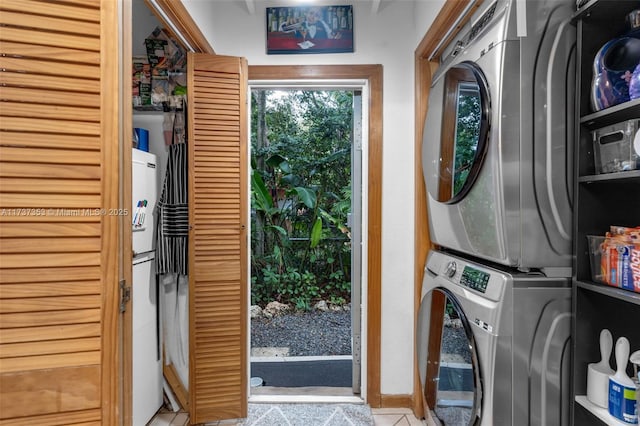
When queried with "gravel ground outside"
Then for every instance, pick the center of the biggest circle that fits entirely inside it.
(454, 341)
(313, 333)
(318, 333)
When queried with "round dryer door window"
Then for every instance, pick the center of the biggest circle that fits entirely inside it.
(464, 131)
(452, 348)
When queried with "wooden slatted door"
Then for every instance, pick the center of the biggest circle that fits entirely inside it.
(218, 259)
(58, 217)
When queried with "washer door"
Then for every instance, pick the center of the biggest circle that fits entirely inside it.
(459, 109)
(449, 366)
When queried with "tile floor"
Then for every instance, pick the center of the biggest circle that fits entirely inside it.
(169, 418)
(398, 417)
(381, 416)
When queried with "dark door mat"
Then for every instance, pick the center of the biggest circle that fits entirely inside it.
(293, 374)
(455, 379)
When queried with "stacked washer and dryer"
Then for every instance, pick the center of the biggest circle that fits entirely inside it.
(495, 316)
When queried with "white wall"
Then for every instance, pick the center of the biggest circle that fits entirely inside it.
(388, 37)
(144, 22)
(424, 14)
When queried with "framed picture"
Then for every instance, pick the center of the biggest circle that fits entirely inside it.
(310, 29)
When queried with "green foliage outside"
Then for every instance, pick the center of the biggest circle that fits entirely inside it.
(467, 133)
(300, 196)
(481, 222)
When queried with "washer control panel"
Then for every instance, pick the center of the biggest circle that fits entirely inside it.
(474, 279)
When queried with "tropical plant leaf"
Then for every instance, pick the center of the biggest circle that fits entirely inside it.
(330, 218)
(338, 155)
(277, 161)
(291, 179)
(285, 167)
(306, 195)
(279, 229)
(260, 191)
(316, 232)
(277, 253)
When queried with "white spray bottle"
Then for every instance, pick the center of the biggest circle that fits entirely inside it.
(598, 372)
(635, 360)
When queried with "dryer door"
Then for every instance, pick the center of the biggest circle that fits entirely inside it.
(448, 360)
(459, 113)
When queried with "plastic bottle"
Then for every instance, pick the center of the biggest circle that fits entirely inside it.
(635, 360)
(135, 139)
(598, 373)
(622, 390)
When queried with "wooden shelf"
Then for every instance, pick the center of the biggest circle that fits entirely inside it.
(616, 293)
(599, 412)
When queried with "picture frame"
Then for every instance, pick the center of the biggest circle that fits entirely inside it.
(309, 29)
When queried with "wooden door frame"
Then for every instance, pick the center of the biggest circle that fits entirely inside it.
(180, 24)
(373, 75)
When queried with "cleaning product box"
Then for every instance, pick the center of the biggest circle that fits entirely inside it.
(615, 258)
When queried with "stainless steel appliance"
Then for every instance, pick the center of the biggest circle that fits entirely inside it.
(503, 339)
(497, 157)
(497, 163)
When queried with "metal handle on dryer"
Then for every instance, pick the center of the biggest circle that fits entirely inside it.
(565, 233)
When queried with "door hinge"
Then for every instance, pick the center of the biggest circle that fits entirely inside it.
(125, 295)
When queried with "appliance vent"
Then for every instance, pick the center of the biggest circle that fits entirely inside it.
(482, 22)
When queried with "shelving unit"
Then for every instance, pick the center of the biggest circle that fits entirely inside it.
(601, 413)
(600, 200)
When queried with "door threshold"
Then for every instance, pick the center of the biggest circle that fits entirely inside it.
(300, 358)
(307, 394)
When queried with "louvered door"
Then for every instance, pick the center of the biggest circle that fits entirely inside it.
(217, 241)
(58, 211)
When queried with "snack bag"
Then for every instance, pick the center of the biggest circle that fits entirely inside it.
(163, 51)
(141, 81)
(620, 261)
(156, 52)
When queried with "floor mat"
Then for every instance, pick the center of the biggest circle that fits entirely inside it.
(290, 374)
(309, 415)
(455, 379)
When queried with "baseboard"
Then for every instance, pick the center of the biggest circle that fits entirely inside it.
(396, 401)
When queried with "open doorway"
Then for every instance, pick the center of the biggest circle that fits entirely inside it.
(306, 220)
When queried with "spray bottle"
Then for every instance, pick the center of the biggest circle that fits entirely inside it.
(635, 359)
(622, 390)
